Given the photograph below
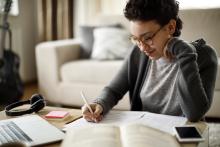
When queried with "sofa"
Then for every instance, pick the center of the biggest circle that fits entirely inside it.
(62, 72)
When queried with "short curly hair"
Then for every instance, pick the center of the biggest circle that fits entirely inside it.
(160, 10)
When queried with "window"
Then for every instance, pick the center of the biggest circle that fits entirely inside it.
(14, 8)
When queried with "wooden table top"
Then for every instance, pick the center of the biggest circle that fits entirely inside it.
(74, 114)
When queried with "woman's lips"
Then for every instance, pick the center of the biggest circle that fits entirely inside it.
(149, 52)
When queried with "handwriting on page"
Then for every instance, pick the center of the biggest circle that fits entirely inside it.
(113, 117)
(158, 121)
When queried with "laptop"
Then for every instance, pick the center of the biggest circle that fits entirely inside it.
(31, 130)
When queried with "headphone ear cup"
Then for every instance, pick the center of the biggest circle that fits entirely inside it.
(38, 105)
(37, 102)
(35, 98)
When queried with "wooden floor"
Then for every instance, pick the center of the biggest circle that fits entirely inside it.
(29, 90)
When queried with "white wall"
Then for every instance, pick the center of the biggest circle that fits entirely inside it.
(112, 7)
(198, 4)
(87, 11)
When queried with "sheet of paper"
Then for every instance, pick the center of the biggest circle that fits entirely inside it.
(162, 122)
(113, 117)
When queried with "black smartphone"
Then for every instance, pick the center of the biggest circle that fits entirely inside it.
(188, 133)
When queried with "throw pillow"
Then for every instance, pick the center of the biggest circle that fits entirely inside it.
(110, 43)
(86, 35)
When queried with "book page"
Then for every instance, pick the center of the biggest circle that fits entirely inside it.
(93, 136)
(143, 136)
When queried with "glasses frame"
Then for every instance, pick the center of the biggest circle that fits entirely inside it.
(143, 40)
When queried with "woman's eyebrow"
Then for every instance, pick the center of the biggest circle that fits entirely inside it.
(143, 34)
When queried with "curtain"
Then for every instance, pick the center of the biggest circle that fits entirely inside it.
(55, 19)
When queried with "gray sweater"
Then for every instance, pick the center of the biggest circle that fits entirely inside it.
(195, 83)
(159, 91)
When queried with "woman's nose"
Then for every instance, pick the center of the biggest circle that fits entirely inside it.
(143, 47)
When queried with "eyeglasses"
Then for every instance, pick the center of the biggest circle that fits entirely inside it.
(145, 39)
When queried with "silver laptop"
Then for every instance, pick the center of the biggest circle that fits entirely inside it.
(32, 130)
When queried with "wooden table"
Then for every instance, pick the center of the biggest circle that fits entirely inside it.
(202, 127)
(76, 113)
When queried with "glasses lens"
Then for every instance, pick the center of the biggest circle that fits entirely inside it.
(148, 41)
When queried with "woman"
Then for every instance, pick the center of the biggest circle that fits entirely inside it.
(163, 73)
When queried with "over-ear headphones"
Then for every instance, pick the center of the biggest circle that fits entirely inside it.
(37, 103)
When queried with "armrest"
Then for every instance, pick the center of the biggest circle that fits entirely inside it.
(217, 85)
(50, 56)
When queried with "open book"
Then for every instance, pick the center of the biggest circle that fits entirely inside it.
(130, 135)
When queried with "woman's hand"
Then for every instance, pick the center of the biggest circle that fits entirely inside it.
(96, 116)
(166, 53)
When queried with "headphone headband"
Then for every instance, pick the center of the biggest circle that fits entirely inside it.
(37, 103)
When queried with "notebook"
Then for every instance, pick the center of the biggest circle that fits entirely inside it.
(31, 129)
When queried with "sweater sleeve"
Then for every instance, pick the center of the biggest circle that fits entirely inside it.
(196, 80)
(116, 89)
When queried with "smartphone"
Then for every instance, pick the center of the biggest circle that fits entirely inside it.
(188, 133)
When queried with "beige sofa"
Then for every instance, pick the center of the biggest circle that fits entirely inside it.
(62, 74)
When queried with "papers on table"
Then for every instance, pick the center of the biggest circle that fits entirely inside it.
(162, 122)
(113, 117)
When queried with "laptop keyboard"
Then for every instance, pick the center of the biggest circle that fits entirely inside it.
(10, 132)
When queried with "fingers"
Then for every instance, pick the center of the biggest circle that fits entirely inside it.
(166, 53)
(85, 110)
(86, 113)
(95, 116)
(98, 110)
(92, 119)
(88, 118)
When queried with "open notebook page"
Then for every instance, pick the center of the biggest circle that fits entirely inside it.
(97, 136)
(130, 135)
(138, 135)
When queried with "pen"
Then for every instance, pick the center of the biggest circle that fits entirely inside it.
(86, 102)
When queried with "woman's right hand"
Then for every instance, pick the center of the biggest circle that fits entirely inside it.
(96, 116)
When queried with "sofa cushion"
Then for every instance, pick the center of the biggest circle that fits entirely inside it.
(87, 71)
(86, 35)
(110, 43)
(90, 71)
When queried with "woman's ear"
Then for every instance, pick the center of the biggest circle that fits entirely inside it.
(171, 26)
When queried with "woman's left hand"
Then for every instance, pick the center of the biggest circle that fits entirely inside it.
(166, 53)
